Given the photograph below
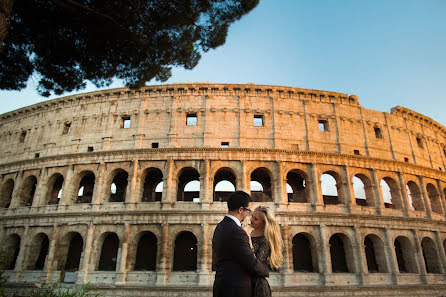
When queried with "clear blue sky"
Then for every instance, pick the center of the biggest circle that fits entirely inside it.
(387, 52)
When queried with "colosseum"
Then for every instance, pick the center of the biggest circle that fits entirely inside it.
(122, 189)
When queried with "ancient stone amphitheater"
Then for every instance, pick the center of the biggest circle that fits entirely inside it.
(123, 189)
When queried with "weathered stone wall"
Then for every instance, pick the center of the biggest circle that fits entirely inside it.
(105, 133)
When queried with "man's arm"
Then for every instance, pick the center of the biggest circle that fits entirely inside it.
(245, 256)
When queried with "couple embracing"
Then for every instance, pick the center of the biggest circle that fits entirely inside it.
(242, 260)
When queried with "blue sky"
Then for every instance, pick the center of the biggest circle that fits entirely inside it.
(388, 53)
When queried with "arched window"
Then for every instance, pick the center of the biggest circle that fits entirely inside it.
(6, 193)
(391, 193)
(296, 189)
(109, 252)
(303, 259)
(153, 185)
(28, 191)
(86, 187)
(37, 252)
(375, 255)
(118, 186)
(434, 198)
(185, 252)
(146, 252)
(331, 185)
(405, 255)
(224, 184)
(75, 248)
(12, 249)
(188, 185)
(54, 191)
(415, 197)
(430, 256)
(363, 190)
(261, 176)
(341, 254)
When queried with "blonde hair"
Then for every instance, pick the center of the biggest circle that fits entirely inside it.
(272, 235)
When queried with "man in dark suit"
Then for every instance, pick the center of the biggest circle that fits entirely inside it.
(235, 262)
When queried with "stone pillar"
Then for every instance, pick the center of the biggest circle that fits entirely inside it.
(379, 201)
(168, 185)
(392, 263)
(347, 186)
(245, 179)
(21, 258)
(18, 185)
(404, 196)
(68, 187)
(281, 197)
(204, 264)
(162, 269)
(41, 189)
(359, 255)
(85, 264)
(324, 254)
(205, 185)
(441, 196)
(288, 250)
(441, 251)
(98, 191)
(419, 256)
(427, 205)
(132, 189)
(315, 186)
(50, 264)
(121, 265)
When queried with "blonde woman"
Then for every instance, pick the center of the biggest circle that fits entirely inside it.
(267, 244)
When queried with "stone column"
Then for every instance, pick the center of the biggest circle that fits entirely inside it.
(133, 183)
(324, 255)
(68, 187)
(288, 250)
(18, 184)
(281, 197)
(204, 265)
(40, 193)
(205, 185)
(168, 185)
(315, 186)
(427, 205)
(359, 254)
(50, 264)
(162, 269)
(392, 263)
(349, 193)
(245, 180)
(121, 265)
(418, 250)
(441, 251)
(379, 201)
(21, 257)
(404, 196)
(97, 198)
(85, 264)
(441, 196)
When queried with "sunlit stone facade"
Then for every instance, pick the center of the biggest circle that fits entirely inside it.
(123, 189)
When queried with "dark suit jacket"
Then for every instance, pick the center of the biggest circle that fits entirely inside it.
(235, 262)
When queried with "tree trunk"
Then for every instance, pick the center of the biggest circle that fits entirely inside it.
(5, 15)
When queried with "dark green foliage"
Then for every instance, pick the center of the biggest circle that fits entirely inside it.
(66, 42)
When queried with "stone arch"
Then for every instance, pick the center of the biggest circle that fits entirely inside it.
(405, 255)
(54, 189)
(117, 186)
(28, 191)
(296, 180)
(304, 250)
(363, 190)
(331, 185)
(261, 176)
(109, 252)
(430, 256)
(85, 188)
(434, 198)
(69, 251)
(188, 177)
(37, 252)
(415, 197)
(341, 254)
(225, 183)
(11, 248)
(185, 252)
(6, 193)
(146, 252)
(394, 193)
(153, 177)
(375, 254)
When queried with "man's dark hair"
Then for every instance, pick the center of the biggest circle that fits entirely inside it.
(238, 199)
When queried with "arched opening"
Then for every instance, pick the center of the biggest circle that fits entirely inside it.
(363, 190)
(303, 249)
(109, 252)
(188, 185)
(261, 176)
(405, 255)
(11, 248)
(118, 186)
(391, 193)
(185, 252)
(331, 185)
(375, 255)
(54, 191)
(86, 187)
(341, 254)
(146, 252)
(224, 184)
(153, 185)
(75, 248)
(296, 189)
(28, 191)
(430, 256)
(415, 197)
(434, 198)
(6, 193)
(37, 252)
